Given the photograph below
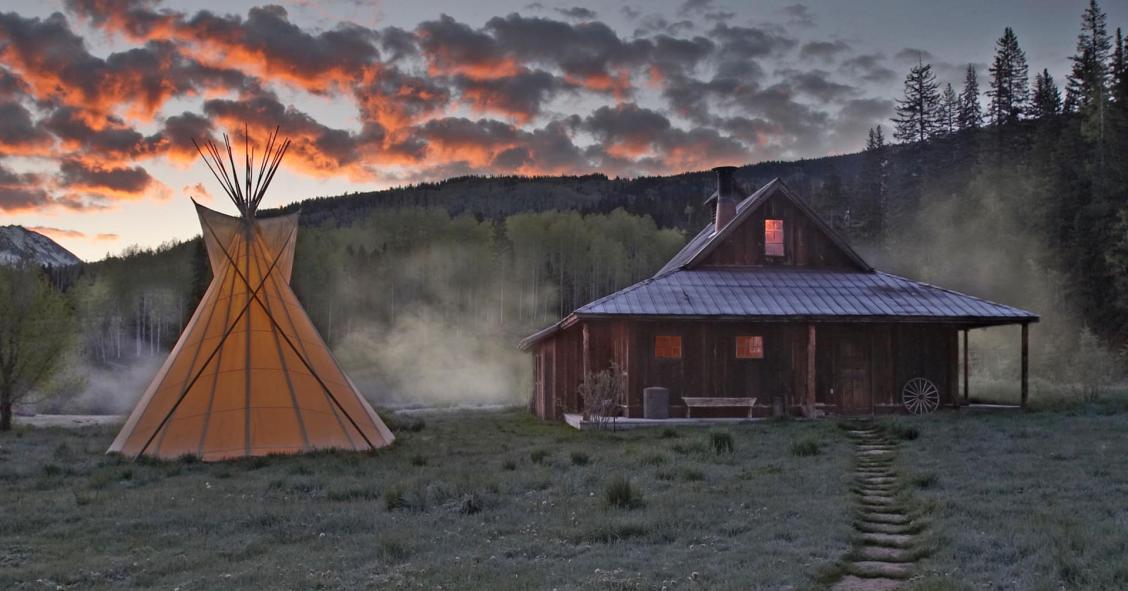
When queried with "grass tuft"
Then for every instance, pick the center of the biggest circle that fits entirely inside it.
(538, 456)
(621, 494)
(580, 458)
(418, 460)
(805, 447)
(669, 433)
(395, 498)
(509, 465)
(722, 443)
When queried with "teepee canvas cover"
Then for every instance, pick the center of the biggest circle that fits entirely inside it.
(250, 375)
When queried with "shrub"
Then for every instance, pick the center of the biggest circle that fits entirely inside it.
(400, 423)
(471, 504)
(418, 460)
(509, 465)
(669, 433)
(903, 432)
(691, 474)
(580, 458)
(394, 498)
(653, 460)
(924, 480)
(391, 550)
(538, 456)
(805, 448)
(721, 443)
(601, 393)
(621, 494)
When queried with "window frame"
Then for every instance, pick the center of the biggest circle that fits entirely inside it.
(782, 243)
(751, 350)
(671, 350)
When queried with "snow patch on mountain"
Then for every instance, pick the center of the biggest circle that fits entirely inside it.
(18, 244)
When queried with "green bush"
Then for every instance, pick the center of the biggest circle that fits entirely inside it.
(418, 460)
(580, 458)
(721, 443)
(395, 498)
(805, 448)
(653, 460)
(669, 433)
(509, 465)
(902, 432)
(621, 494)
(924, 480)
(538, 456)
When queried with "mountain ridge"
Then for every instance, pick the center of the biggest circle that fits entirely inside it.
(19, 244)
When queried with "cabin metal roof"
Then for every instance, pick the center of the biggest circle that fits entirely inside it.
(797, 292)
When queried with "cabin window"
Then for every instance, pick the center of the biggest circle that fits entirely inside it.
(667, 347)
(750, 347)
(773, 238)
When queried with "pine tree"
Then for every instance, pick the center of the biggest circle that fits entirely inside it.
(918, 113)
(875, 179)
(1009, 80)
(971, 114)
(1088, 80)
(949, 110)
(1047, 98)
(1119, 70)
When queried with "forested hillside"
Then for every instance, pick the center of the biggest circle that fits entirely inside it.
(1014, 194)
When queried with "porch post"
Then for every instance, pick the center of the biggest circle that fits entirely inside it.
(1025, 362)
(585, 362)
(810, 402)
(966, 367)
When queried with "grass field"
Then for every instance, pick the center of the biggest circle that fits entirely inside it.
(471, 501)
(502, 501)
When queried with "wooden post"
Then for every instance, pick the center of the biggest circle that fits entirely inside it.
(966, 368)
(810, 402)
(1025, 362)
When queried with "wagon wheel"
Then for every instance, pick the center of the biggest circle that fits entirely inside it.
(920, 396)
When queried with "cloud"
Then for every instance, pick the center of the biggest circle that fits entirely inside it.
(822, 50)
(799, 15)
(870, 68)
(57, 233)
(817, 84)
(520, 96)
(22, 192)
(197, 191)
(695, 6)
(578, 13)
(125, 182)
(19, 135)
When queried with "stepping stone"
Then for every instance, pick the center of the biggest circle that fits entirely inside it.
(878, 500)
(884, 554)
(894, 518)
(865, 446)
(875, 452)
(889, 540)
(874, 568)
(852, 583)
(878, 489)
(877, 480)
(884, 528)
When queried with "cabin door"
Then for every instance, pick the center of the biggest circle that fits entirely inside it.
(852, 383)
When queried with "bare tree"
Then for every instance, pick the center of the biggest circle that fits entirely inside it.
(35, 331)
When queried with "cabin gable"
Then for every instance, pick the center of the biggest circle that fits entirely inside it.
(803, 243)
(775, 228)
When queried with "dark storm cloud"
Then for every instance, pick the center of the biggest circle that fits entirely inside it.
(125, 180)
(88, 132)
(19, 134)
(578, 13)
(695, 6)
(799, 14)
(452, 47)
(740, 47)
(823, 50)
(817, 84)
(521, 95)
(176, 135)
(912, 55)
(20, 192)
(655, 23)
(870, 68)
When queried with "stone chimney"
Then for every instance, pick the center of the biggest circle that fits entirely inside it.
(725, 207)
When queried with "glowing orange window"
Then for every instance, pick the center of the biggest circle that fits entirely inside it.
(667, 347)
(750, 347)
(773, 238)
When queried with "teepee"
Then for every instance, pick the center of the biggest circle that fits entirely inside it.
(250, 375)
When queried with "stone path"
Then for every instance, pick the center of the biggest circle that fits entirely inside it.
(887, 541)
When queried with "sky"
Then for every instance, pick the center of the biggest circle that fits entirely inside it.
(100, 99)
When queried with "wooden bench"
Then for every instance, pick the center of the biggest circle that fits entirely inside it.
(692, 403)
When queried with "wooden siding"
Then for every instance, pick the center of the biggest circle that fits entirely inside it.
(805, 244)
(859, 368)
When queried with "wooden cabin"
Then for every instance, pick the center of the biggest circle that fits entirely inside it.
(768, 303)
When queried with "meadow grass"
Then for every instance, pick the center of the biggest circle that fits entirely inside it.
(467, 500)
(1035, 500)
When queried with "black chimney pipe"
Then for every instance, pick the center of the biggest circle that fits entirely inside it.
(725, 208)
